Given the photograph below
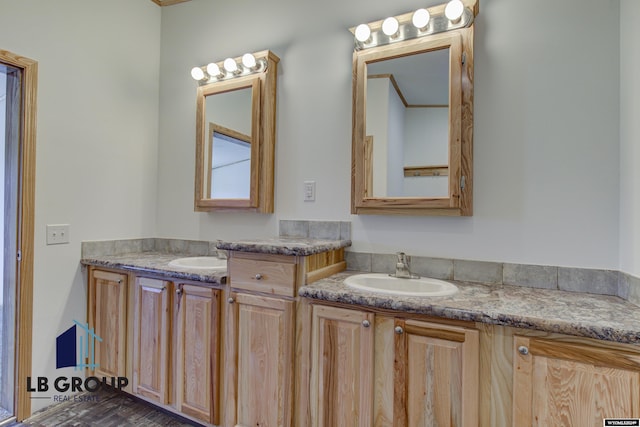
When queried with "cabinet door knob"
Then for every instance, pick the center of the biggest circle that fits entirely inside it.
(258, 276)
(231, 300)
(366, 323)
(523, 350)
(398, 330)
(179, 292)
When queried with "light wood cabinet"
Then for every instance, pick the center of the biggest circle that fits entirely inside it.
(196, 312)
(372, 369)
(151, 336)
(108, 317)
(567, 382)
(341, 367)
(435, 374)
(176, 346)
(260, 351)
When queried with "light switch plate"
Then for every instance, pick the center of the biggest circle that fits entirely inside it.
(57, 234)
(309, 191)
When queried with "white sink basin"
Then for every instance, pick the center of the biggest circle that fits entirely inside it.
(200, 263)
(385, 284)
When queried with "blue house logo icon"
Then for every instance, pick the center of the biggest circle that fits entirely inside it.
(76, 347)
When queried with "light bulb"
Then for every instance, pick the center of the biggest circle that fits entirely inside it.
(421, 18)
(454, 9)
(248, 60)
(197, 73)
(213, 70)
(230, 65)
(363, 32)
(390, 26)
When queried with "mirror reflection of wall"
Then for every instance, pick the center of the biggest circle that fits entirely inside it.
(408, 120)
(229, 118)
(230, 164)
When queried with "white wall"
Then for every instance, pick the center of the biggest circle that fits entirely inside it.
(395, 143)
(546, 150)
(96, 140)
(629, 138)
(378, 128)
(426, 144)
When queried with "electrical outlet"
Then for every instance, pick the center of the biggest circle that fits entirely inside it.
(309, 191)
(57, 234)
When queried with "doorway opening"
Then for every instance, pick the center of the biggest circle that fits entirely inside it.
(18, 76)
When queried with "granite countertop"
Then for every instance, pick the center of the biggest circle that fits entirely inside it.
(157, 263)
(588, 315)
(284, 245)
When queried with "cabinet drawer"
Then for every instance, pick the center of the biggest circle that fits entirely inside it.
(278, 278)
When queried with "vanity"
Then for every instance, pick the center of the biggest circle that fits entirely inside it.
(208, 344)
(489, 355)
(280, 322)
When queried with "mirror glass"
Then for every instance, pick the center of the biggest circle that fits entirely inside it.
(228, 144)
(407, 126)
(228, 115)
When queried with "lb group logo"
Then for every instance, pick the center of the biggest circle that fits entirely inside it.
(75, 348)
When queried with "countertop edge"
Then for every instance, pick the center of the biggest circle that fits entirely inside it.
(217, 278)
(284, 246)
(437, 307)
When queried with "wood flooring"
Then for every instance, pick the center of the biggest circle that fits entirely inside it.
(105, 408)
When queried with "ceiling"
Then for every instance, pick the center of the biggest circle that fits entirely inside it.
(423, 79)
(168, 2)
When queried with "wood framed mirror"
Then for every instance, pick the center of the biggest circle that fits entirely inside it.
(235, 140)
(412, 140)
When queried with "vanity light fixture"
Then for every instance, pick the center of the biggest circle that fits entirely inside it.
(453, 11)
(390, 27)
(420, 19)
(197, 73)
(363, 33)
(229, 68)
(213, 70)
(422, 22)
(249, 61)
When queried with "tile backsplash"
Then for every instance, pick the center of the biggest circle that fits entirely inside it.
(324, 230)
(594, 281)
(127, 246)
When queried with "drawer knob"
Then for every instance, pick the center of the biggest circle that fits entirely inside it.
(258, 276)
(231, 300)
(398, 330)
(366, 323)
(523, 350)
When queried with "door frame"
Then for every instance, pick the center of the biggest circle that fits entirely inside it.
(26, 214)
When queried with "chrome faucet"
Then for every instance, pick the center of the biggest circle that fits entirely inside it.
(402, 268)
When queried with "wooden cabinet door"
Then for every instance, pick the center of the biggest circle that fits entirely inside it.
(573, 384)
(436, 375)
(341, 367)
(151, 339)
(262, 348)
(107, 313)
(197, 332)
